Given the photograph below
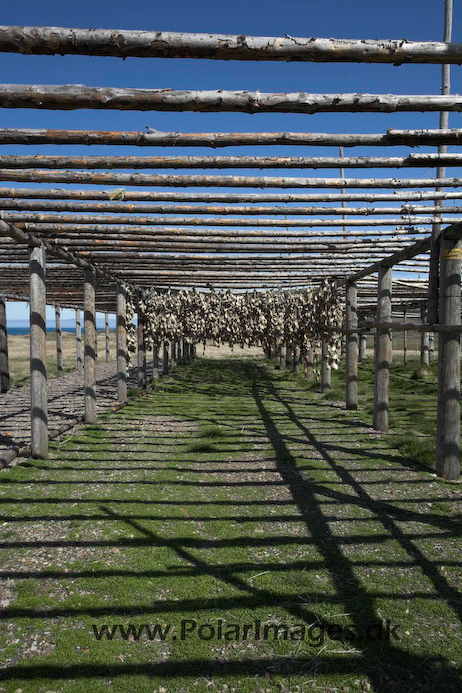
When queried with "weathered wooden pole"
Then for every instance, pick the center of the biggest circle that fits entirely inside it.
(165, 363)
(142, 364)
(173, 351)
(4, 365)
(281, 357)
(59, 343)
(106, 329)
(404, 339)
(362, 346)
(382, 350)
(38, 353)
(121, 343)
(326, 371)
(431, 346)
(424, 340)
(448, 419)
(78, 339)
(309, 363)
(296, 360)
(89, 326)
(351, 347)
(155, 361)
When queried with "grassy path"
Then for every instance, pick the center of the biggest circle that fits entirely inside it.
(229, 496)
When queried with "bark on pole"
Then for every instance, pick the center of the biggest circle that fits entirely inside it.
(448, 419)
(155, 362)
(326, 371)
(90, 345)
(165, 357)
(309, 364)
(351, 322)
(121, 343)
(424, 340)
(431, 346)
(142, 363)
(362, 346)
(4, 365)
(106, 330)
(59, 343)
(382, 351)
(122, 43)
(78, 339)
(404, 339)
(296, 360)
(38, 369)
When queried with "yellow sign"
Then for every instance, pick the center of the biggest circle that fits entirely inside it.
(454, 254)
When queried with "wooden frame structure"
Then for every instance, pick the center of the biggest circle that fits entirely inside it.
(99, 242)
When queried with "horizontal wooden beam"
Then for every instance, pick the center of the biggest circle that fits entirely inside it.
(157, 138)
(77, 96)
(181, 181)
(120, 43)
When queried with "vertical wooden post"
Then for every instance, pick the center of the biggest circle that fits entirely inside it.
(106, 329)
(404, 339)
(4, 366)
(174, 357)
(424, 339)
(431, 346)
(59, 343)
(382, 351)
(309, 363)
(96, 343)
(351, 347)
(165, 364)
(78, 339)
(326, 371)
(142, 366)
(362, 346)
(89, 329)
(296, 360)
(38, 354)
(121, 343)
(155, 361)
(448, 419)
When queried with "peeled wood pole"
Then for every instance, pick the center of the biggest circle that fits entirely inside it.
(78, 339)
(90, 345)
(106, 329)
(121, 343)
(448, 419)
(431, 346)
(362, 346)
(326, 371)
(351, 322)
(59, 344)
(382, 350)
(38, 369)
(4, 366)
(165, 363)
(142, 364)
(296, 360)
(424, 340)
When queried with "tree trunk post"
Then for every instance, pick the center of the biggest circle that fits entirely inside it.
(165, 363)
(4, 365)
(106, 330)
(431, 346)
(351, 347)
(121, 343)
(59, 343)
(38, 354)
(296, 360)
(424, 340)
(404, 339)
(155, 361)
(382, 350)
(89, 329)
(78, 339)
(309, 364)
(326, 371)
(142, 365)
(448, 419)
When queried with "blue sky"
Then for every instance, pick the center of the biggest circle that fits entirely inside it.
(411, 19)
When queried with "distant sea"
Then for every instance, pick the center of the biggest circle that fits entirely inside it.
(25, 330)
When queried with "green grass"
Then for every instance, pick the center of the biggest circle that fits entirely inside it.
(300, 514)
